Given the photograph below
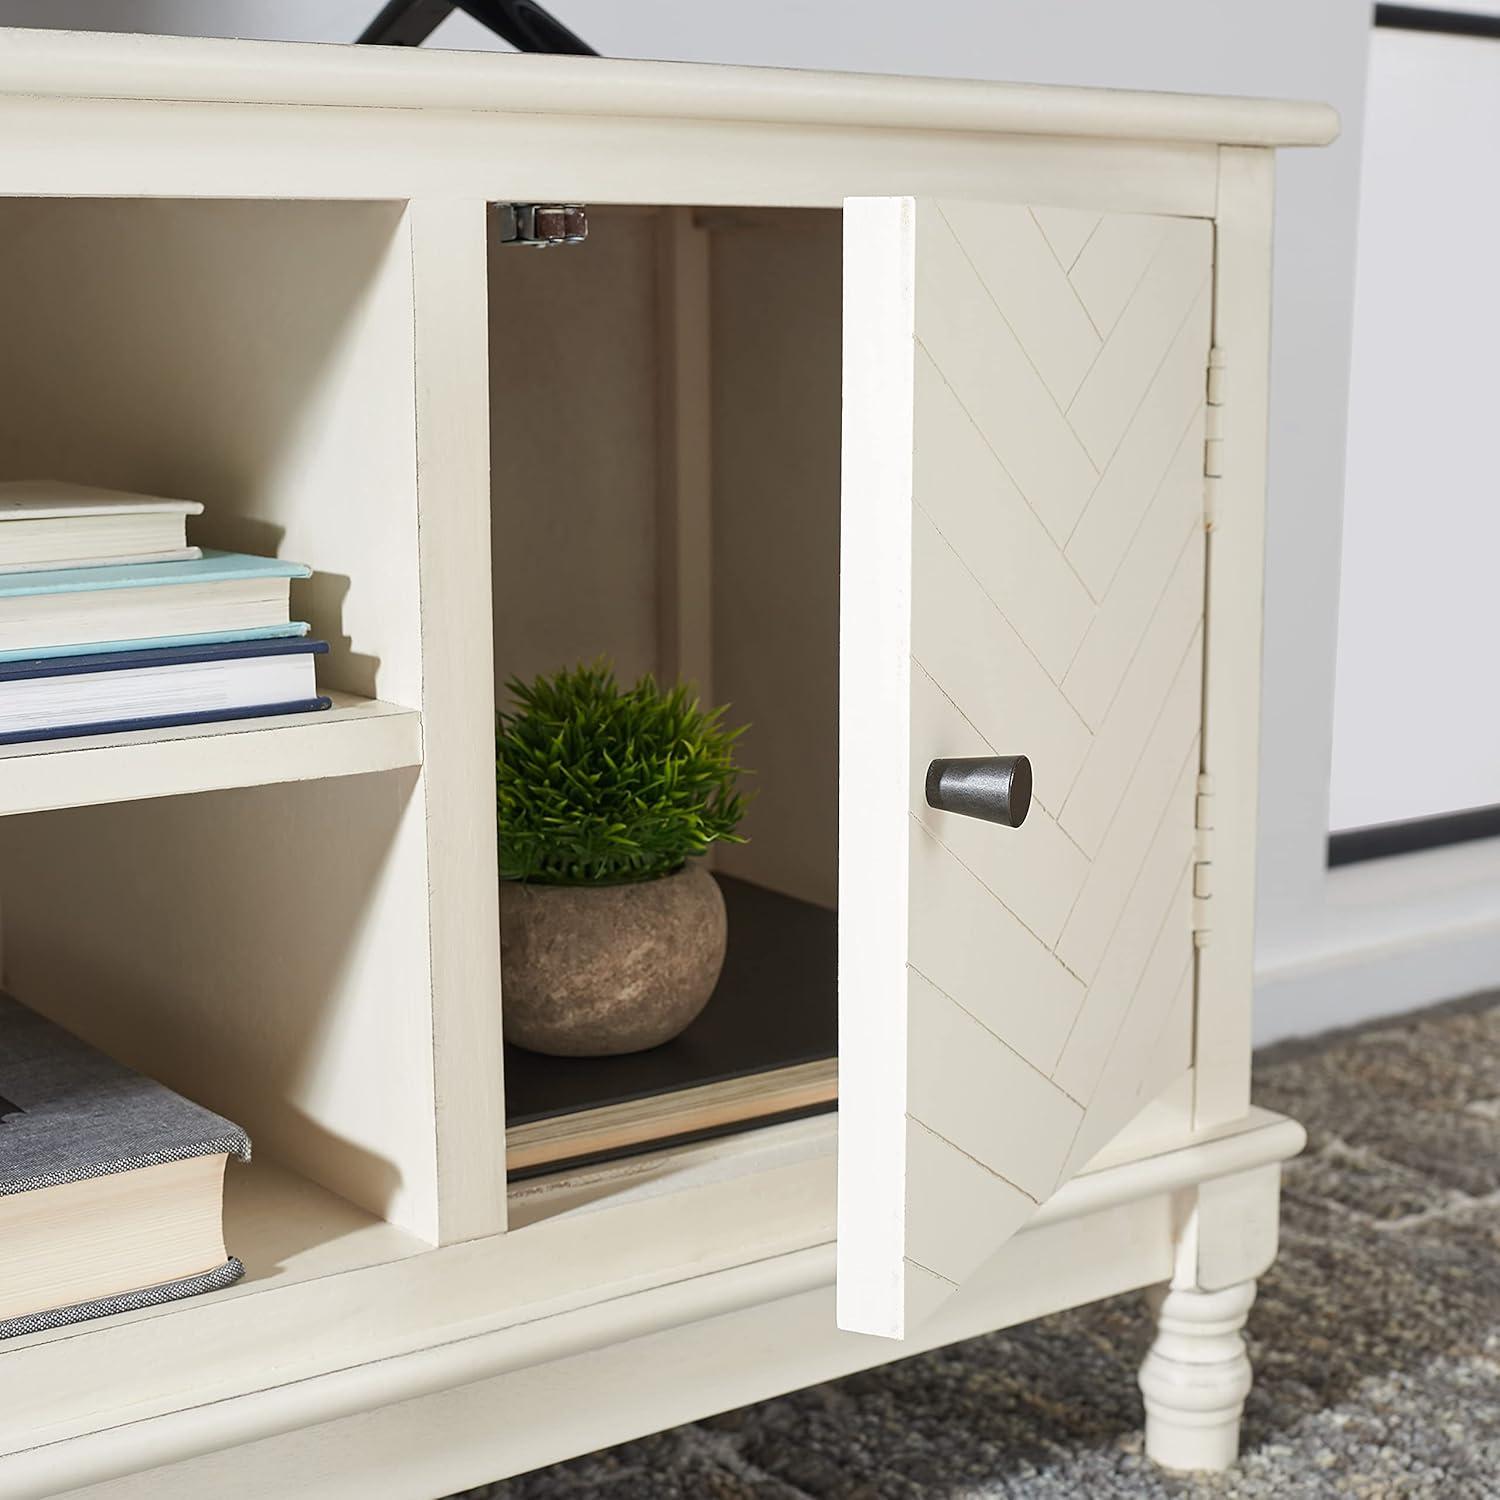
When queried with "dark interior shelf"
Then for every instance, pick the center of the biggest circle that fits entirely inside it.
(776, 1006)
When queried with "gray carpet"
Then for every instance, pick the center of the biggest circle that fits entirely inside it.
(1375, 1340)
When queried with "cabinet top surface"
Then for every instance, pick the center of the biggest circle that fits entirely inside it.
(110, 66)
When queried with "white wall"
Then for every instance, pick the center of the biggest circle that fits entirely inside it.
(1417, 708)
(1418, 730)
(1270, 47)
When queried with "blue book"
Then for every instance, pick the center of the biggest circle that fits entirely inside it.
(57, 697)
(225, 594)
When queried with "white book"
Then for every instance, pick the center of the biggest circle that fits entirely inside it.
(157, 687)
(49, 523)
(221, 593)
(111, 1185)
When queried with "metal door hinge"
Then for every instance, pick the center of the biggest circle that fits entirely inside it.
(1213, 436)
(543, 224)
(1203, 859)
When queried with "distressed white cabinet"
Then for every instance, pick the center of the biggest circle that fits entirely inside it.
(267, 277)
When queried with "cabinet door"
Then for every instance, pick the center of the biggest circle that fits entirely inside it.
(1023, 562)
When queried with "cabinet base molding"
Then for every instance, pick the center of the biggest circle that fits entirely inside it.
(539, 1391)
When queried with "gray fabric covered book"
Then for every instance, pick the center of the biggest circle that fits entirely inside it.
(111, 1185)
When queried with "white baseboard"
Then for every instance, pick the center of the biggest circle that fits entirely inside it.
(1357, 987)
(1392, 935)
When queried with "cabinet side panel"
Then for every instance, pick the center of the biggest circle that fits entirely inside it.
(1235, 601)
(458, 738)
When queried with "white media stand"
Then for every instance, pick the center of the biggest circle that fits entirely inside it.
(269, 277)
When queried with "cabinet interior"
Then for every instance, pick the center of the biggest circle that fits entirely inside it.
(665, 433)
(665, 413)
(262, 949)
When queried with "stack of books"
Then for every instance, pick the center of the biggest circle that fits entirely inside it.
(111, 1185)
(110, 621)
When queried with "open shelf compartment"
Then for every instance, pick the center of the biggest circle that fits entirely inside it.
(667, 496)
(273, 946)
(259, 358)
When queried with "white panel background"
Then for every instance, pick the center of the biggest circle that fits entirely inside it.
(1417, 702)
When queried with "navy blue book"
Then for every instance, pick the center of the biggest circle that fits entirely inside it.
(54, 697)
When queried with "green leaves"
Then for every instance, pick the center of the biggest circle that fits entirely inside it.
(598, 785)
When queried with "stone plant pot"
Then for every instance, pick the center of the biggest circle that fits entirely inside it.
(592, 971)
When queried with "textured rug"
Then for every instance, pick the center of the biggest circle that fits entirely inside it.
(1375, 1339)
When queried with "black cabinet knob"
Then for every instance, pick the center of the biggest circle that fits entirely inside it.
(994, 788)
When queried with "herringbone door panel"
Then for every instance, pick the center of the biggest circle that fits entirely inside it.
(1038, 401)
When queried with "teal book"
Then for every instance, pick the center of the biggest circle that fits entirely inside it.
(226, 595)
(211, 567)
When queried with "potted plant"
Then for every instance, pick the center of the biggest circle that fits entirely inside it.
(611, 936)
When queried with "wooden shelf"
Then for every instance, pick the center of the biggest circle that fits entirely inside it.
(355, 736)
(284, 1229)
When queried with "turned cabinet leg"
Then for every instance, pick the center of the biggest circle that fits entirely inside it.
(1196, 1376)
